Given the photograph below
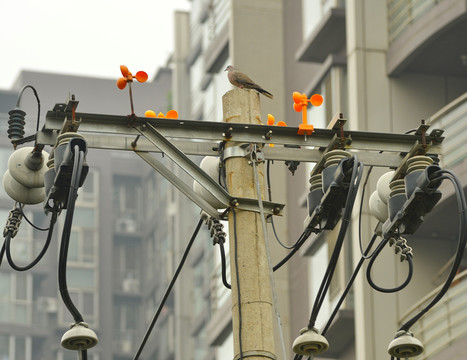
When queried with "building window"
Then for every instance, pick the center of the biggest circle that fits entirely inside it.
(15, 347)
(127, 198)
(88, 193)
(125, 325)
(16, 298)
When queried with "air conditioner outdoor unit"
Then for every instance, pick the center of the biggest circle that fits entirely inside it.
(126, 225)
(125, 346)
(47, 304)
(130, 285)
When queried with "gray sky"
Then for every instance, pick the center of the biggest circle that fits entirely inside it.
(85, 37)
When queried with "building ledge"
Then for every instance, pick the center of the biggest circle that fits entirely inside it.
(331, 61)
(327, 38)
(433, 44)
(220, 325)
(217, 52)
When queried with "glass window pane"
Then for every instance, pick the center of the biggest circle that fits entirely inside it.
(80, 278)
(73, 246)
(21, 314)
(84, 217)
(5, 312)
(88, 304)
(4, 347)
(4, 286)
(88, 246)
(20, 250)
(21, 287)
(20, 348)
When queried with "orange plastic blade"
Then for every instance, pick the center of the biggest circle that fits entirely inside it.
(316, 100)
(297, 97)
(281, 123)
(172, 114)
(141, 76)
(271, 119)
(124, 70)
(121, 83)
(150, 114)
(297, 107)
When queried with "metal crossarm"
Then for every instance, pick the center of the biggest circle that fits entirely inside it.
(177, 156)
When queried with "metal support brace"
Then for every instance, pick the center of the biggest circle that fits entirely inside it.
(158, 140)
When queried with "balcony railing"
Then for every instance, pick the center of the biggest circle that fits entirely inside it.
(453, 120)
(402, 13)
(446, 322)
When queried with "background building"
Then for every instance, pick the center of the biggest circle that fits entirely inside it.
(125, 242)
(384, 64)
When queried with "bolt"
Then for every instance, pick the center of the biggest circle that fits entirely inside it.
(234, 203)
(276, 210)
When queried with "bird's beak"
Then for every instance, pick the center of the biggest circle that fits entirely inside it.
(226, 68)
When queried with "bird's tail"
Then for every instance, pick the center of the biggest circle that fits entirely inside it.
(265, 93)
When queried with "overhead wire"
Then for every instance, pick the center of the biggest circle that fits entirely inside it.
(224, 266)
(223, 182)
(370, 266)
(268, 183)
(357, 172)
(64, 244)
(268, 250)
(239, 297)
(462, 241)
(29, 221)
(7, 248)
(349, 283)
(168, 290)
(301, 240)
(18, 102)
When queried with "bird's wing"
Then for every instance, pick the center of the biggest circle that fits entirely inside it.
(243, 79)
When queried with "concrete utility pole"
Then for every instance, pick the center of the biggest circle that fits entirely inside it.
(254, 328)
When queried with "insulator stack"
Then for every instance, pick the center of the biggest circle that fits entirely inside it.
(16, 124)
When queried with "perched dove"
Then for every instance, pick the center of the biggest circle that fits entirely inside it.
(242, 81)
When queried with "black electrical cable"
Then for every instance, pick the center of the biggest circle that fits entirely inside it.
(62, 262)
(29, 221)
(370, 266)
(357, 173)
(301, 240)
(7, 248)
(239, 299)
(462, 241)
(224, 266)
(2, 253)
(349, 283)
(169, 289)
(18, 103)
(268, 178)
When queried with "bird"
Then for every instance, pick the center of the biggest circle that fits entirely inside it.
(239, 79)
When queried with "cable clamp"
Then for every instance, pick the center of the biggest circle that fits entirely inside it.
(13, 222)
(216, 230)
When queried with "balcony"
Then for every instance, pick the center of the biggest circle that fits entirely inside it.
(452, 119)
(327, 38)
(443, 330)
(427, 36)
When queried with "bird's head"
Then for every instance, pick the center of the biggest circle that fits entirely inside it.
(229, 68)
